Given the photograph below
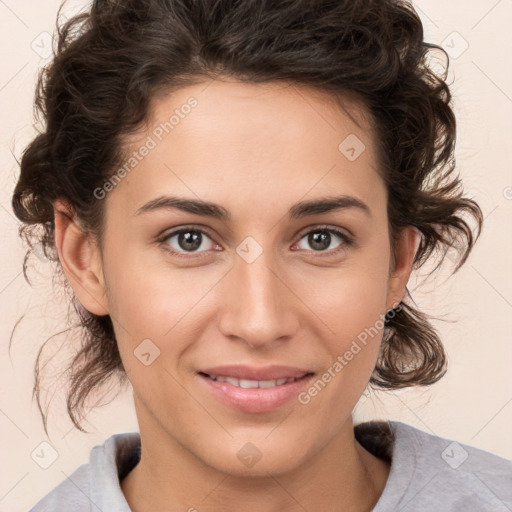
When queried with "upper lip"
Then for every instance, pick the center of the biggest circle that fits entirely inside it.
(273, 372)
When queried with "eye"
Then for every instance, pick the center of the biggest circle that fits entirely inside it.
(192, 241)
(187, 240)
(321, 239)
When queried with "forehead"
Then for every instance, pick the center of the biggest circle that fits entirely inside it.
(253, 106)
(266, 141)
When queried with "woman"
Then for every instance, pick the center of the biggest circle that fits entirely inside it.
(237, 193)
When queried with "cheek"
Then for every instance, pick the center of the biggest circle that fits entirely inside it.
(351, 303)
(355, 317)
(347, 300)
(151, 316)
(353, 313)
(151, 301)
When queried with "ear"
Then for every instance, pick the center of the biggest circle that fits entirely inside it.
(80, 259)
(405, 250)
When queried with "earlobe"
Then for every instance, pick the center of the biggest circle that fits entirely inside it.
(405, 252)
(80, 260)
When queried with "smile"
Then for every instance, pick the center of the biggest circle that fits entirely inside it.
(254, 390)
(248, 384)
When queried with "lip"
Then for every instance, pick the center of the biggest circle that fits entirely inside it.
(255, 400)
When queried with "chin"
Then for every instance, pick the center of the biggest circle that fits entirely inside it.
(256, 457)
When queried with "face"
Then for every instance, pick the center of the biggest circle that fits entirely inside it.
(255, 284)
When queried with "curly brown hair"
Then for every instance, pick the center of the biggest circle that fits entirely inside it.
(111, 61)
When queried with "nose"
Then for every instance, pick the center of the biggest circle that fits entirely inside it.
(260, 307)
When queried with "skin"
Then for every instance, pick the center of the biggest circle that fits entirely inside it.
(256, 150)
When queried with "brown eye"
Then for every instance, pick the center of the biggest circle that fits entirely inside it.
(187, 240)
(319, 241)
(323, 239)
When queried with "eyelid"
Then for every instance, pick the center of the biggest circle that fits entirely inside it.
(326, 227)
(346, 236)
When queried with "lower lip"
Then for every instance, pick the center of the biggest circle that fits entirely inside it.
(256, 400)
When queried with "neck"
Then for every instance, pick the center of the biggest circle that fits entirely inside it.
(341, 476)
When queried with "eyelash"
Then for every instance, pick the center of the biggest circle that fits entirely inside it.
(346, 239)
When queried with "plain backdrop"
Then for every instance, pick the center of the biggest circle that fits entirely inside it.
(472, 403)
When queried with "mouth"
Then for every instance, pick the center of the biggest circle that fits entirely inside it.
(254, 390)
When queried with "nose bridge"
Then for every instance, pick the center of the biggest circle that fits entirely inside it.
(258, 309)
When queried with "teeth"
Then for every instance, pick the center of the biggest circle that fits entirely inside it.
(267, 383)
(232, 380)
(250, 384)
(246, 384)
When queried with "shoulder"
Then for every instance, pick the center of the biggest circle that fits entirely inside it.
(450, 454)
(430, 472)
(74, 492)
(95, 486)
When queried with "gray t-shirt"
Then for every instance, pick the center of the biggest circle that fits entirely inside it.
(428, 474)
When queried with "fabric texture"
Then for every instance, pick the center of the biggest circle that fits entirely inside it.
(428, 473)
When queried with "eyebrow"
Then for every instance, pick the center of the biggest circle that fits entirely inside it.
(297, 211)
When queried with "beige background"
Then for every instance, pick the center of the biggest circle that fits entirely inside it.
(472, 404)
